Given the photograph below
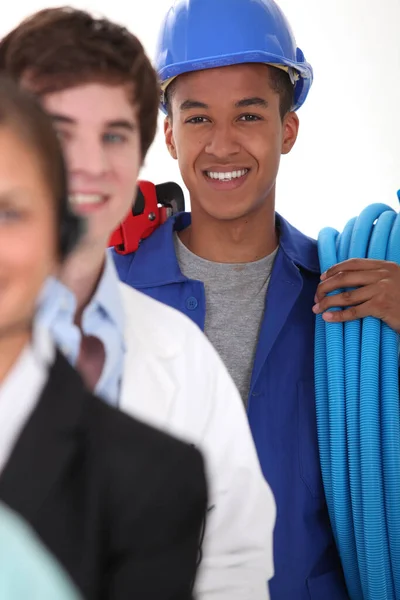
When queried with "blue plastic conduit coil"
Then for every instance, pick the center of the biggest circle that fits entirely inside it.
(358, 418)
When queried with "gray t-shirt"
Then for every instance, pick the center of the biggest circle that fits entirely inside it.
(235, 301)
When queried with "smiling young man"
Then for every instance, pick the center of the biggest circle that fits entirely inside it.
(93, 78)
(232, 82)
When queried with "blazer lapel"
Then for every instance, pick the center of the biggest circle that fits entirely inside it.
(46, 444)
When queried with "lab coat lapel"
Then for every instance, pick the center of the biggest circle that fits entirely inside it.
(147, 389)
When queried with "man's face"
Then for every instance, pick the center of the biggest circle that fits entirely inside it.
(99, 132)
(227, 135)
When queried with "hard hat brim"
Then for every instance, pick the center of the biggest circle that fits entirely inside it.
(304, 70)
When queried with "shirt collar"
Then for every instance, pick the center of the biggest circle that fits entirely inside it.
(56, 297)
(300, 249)
(155, 262)
(42, 344)
(107, 297)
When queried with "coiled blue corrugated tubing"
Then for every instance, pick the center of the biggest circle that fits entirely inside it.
(358, 418)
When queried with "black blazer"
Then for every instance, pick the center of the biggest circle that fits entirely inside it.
(120, 504)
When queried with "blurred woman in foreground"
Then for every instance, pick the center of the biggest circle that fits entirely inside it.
(119, 504)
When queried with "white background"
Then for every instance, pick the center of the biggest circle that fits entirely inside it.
(348, 151)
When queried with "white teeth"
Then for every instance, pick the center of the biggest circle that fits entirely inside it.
(226, 176)
(86, 198)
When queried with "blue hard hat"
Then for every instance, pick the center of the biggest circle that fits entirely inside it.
(204, 34)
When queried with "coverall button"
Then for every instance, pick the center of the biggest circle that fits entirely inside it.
(191, 303)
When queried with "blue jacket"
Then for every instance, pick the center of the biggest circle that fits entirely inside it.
(281, 407)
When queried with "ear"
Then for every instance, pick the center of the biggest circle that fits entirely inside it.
(169, 137)
(290, 128)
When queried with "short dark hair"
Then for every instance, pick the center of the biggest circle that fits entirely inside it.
(20, 111)
(281, 84)
(59, 48)
(279, 81)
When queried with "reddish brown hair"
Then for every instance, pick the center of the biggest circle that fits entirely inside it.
(58, 48)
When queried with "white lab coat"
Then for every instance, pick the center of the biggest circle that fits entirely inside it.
(174, 379)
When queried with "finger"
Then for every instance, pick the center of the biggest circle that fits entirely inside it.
(347, 298)
(366, 309)
(349, 279)
(357, 264)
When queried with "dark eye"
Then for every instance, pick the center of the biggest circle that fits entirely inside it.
(8, 214)
(196, 120)
(249, 118)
